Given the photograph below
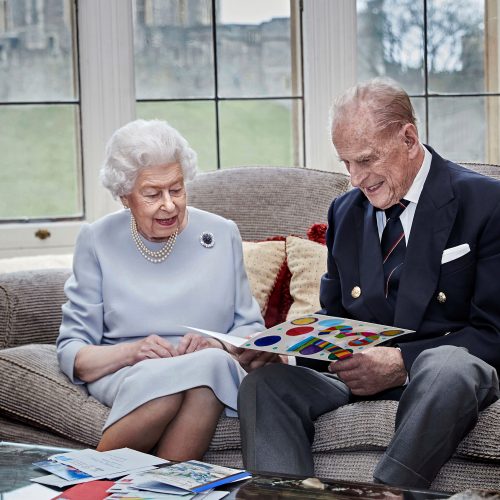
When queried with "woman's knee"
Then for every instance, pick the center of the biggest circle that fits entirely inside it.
(213, 358)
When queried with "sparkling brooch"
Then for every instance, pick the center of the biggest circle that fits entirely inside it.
(207, 239)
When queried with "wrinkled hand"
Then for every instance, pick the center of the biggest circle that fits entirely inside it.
(191, 342)
(153, 346)
(251, 359)
(371, 371)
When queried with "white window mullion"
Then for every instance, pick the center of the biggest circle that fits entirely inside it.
(330, 53)
(107, 88)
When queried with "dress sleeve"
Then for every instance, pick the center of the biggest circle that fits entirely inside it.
(247, 317)
(82, 315)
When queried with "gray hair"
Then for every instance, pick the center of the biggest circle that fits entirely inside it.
(142, 144)
(388, 102)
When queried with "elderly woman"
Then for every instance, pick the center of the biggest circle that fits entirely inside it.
(140, 276)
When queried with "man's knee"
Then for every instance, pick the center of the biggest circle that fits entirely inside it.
(452, 366)
(262, 378)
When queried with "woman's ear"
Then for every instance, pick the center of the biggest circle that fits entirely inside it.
(124, 201)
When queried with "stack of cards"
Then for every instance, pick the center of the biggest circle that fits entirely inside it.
(181, 481)
(143, 479)
(87, 465)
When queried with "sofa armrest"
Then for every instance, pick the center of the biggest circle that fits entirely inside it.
(30, 306)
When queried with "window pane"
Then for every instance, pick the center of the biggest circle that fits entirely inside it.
(39, 174)
(255, 49)
(259, 132)
(419, 107)
(194, 120)
(36, 50)
(458, 127)
(455, 45)
(391, 41)
(173, 49)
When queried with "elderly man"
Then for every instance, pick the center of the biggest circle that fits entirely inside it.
(415, 245)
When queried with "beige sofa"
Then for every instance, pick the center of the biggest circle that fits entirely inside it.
(39, 405)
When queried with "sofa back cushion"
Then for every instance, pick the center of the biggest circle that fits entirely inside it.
(30, 306)
(268, 201)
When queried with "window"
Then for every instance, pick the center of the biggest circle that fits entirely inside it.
(40, 168)
(232, 86)
(445, 54)
(61, 100)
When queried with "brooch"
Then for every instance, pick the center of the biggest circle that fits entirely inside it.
(207, 240)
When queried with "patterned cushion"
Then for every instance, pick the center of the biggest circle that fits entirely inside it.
(307, 263)
(280, 300)
(34, 390)
(263, 261)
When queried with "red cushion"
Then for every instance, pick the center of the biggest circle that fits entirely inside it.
(280, 299)
(317, 233)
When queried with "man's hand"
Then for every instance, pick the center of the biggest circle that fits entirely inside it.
(251, 359)
(371, 371)
(153, 346)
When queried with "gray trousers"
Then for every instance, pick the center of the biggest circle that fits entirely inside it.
(448, 387)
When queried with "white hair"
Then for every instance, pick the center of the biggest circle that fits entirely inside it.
(143, 144)
(389, 104)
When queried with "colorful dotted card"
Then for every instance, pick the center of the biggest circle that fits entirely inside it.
(322, 337)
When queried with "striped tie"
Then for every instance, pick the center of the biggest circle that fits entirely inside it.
(393, 246)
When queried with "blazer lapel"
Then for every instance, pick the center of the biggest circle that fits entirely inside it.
(370, 265)
(434, 218)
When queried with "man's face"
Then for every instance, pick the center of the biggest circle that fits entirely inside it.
(382, 167)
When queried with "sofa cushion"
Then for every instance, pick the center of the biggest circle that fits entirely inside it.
(266, 201)
(263, 261)
(30, 306)
(34, 390)
(307, 263)
(352, 428)
(19, 432)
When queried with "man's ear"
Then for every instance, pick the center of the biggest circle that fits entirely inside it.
(409, 136)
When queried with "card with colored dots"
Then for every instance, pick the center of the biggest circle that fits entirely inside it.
(316, 336)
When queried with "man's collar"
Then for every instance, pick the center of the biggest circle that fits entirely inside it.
(415, 190)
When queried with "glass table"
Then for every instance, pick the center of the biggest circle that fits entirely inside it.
(15, 463)
(16, 470)
(270, 487)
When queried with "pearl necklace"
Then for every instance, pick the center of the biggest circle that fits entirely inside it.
(155, 256)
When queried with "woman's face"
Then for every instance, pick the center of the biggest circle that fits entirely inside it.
(158, 201)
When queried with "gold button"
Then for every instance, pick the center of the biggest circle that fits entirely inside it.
(355, 292)
(441, 297)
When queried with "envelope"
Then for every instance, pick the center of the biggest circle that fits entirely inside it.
(455, 252)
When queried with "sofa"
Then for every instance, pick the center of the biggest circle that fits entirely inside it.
(278, 211)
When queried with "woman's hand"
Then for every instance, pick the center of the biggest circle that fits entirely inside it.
(151, 347)
(193, 342)
(251, 359)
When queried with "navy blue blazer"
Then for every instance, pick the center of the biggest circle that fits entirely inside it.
(456, 206)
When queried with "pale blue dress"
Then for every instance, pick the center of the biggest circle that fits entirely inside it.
(115, 295)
